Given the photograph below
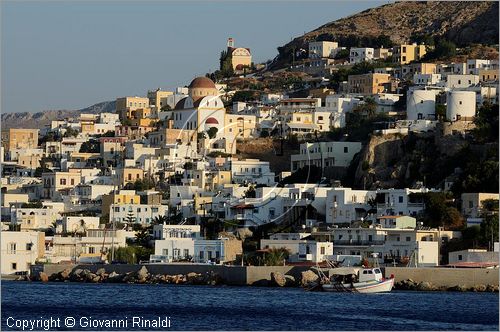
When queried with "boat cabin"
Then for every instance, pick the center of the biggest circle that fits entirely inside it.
(370, 274)
(353, 274)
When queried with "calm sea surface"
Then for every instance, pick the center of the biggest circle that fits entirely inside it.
(247, 308)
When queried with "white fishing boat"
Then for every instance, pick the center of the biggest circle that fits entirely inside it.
(357, 280)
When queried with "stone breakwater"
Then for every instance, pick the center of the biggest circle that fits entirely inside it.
(409, 284)
(307, 279)
(142, 276)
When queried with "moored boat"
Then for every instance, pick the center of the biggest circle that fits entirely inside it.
(357, 280)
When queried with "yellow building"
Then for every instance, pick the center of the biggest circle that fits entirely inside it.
(126, 104)
(158, 98)
(217, 179)
(165, 136)
(120, 197)
(87, 127)
(407, 53)
(56, 181)
(130, 175)
(19, 138)
(368, 84)
(418, 68)
(144, 122)
(240, 57)
(487, 75)
(202, 205)
(241, 126)
(30, 161)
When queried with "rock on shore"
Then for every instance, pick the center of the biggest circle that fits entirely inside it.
(409, 284)
(141, 276)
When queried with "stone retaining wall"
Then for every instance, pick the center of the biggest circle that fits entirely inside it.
(447, 277)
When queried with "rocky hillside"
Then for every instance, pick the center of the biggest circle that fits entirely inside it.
(40, 119)
(463, 22)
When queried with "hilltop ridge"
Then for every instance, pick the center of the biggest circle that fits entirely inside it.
(462, 22)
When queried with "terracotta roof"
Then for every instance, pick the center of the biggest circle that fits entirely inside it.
(202, 82)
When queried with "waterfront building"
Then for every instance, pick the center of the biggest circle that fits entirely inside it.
(174, 242)
(415, 246)
(314, 251)
(95, 246)
(222, 250)
(20, 250)
(473, 258)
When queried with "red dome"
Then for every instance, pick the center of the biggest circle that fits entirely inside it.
(202, 82)
(212, 121)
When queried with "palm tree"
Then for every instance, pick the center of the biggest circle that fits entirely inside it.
(159, 220)
(276, 256)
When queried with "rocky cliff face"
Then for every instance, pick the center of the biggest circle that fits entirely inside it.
(40, 119)
(463, 22)
(400, 161)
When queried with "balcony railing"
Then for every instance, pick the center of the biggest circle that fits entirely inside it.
(358, 243)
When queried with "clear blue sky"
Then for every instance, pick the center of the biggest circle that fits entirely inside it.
(70, 55)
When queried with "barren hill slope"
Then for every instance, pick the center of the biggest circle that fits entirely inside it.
(463, 22)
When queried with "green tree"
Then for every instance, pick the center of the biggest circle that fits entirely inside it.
(212, 132)
(142, 253)
(90, 147)
(130, 218)
(486, 122)
(32, 205)
(440, 111)
(226, 65)
(243, 95)
(439, 212)
(166, 108)
(250, 193)
(125, 255)
(342, 54)
(363, 67)
(444, 49)
(276, 256)
(369, 107)
(160, 220)
(306, 174)
(70, 132)
(142, 237)
(489, 229)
